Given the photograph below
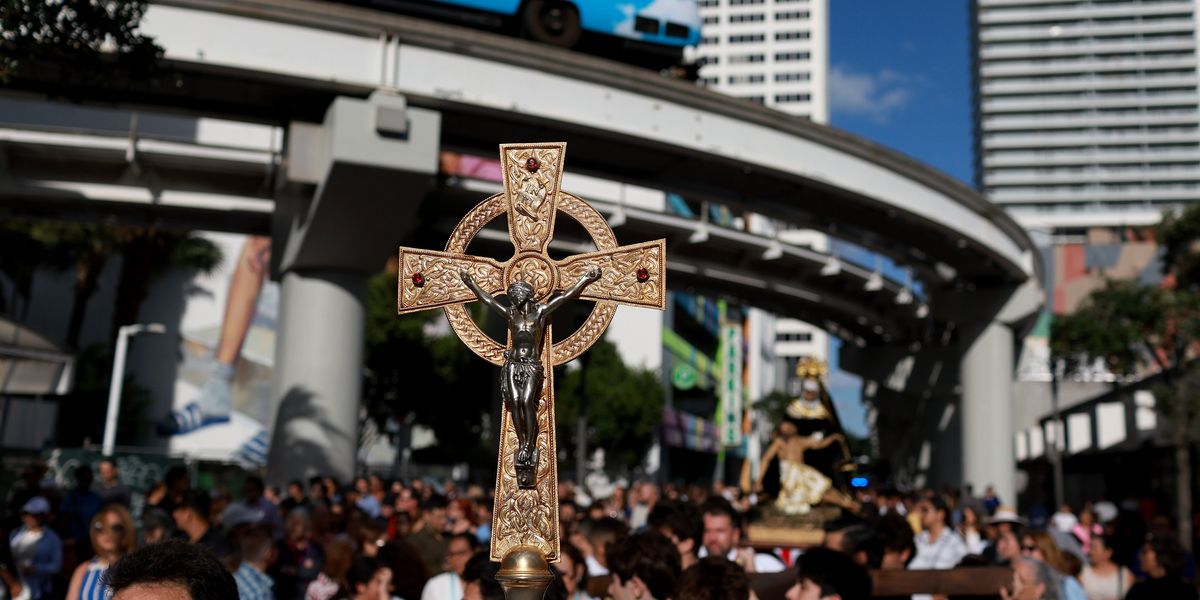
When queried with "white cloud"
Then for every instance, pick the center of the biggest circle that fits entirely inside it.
(872, 95)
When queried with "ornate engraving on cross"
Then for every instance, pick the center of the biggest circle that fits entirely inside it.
(525, 518)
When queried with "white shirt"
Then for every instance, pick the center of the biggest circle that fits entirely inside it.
(1064, 522)
(763, 562)
(945, 553)
(446, 586)
(594, 568)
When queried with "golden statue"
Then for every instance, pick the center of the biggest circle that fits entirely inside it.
(810, 424)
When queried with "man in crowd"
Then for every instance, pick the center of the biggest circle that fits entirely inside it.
(859, 541)
(601, 533)
(171, 570)
(714, 578)
(644, 566)
(78, 507)
(257, 552)
(109, 487)
(824, 574)
(192, 518)
(681, 523)
(295, 497)
(429, 523)
(938, 546)
(449, 584)
(259, 509)
(723, 533)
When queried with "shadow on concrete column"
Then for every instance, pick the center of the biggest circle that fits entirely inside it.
(318, 373)
(354, 185)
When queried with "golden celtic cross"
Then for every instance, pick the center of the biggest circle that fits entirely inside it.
(526, 510)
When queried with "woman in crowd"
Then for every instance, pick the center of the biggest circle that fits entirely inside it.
(339, 553)
(112, 537)
(1104, 579)
(573, 571)
(1086, 527)
(1163, 559)
(461, 516)
(36, 549)
(1039, 545)
(970, 530)
(368, 579)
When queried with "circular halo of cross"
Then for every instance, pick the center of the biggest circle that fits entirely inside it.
(632, 275)
(597, 321)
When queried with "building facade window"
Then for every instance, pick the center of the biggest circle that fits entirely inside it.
(791, 15)
(791, 35)
(747, 18)
(791, 56)
(746, 38)
(789, 98)
(746, 78)
(757, 99)
(794, 76)
(712, 20)
(746, 58)
(709, 40)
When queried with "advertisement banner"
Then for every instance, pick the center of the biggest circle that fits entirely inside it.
(730, 395)
(221, 406)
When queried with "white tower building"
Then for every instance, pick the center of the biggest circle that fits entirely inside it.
(774, 52)
(1087, 109)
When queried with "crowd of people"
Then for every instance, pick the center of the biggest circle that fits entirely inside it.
(420, 540)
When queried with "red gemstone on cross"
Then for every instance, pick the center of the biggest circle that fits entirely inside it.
(532, 164)
(643, 275)
(418, 280)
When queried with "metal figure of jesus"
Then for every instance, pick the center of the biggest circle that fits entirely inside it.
(522, 373)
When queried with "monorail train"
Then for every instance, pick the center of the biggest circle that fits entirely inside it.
(649, 33)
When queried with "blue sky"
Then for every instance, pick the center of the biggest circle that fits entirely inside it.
(900, 75)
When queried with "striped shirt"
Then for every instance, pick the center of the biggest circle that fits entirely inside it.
(253, 584)
(94, 586)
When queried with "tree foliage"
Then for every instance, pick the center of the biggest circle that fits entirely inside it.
(623, 406)
(74, 36)
(414, 377)
(1139, 330)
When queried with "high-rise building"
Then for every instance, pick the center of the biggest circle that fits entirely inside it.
(1087, 128)
(774, 52)
(1087, 110)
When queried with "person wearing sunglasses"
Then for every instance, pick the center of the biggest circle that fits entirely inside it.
(1040, 546)
(112, 537)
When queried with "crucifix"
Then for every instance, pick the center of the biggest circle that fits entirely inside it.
(525, 518)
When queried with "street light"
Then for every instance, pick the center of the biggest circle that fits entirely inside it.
(118, 380)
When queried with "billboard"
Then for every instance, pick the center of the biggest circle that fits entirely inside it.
(221, 404)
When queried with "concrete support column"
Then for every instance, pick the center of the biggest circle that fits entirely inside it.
(987, 418)
(318, 374)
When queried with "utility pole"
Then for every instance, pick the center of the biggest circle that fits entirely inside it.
(118, 380)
